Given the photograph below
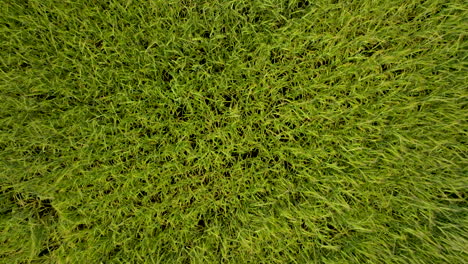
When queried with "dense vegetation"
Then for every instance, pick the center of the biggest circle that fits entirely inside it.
(280, 131)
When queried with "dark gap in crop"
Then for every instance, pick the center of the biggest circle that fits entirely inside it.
(310, 47)
(184, 161)
(18, 197)
(329, 82)
(209, 102)
(296, 198)
(331, 227)
(240, 132)
(125, 63)
(346, 105)
(202, 61)
(385, 67)
(110, 179)
(144, 43)
(299, 136)
(206, 34)
(238, 29)
(105, 5)
(353, 77)
(229, 48)
(322, 63)
(44, 96)
(340, 122)
(436, 12)
(452, 195)
(245, 11)
(288, 166)
(6, 212)
(181, 113)
(461, 198)
(202, 51)
(290, 125)
(142, 194)
(46, 251)
(296, 11)
(367, 52)
(193, 141)
(397, 72)
(276, 158)
(228, 164)
(46, 208)
(387, 225)
(81, 227)
(217, 68)
(262, 195)
(128, 158)
(156, 198)
(280, 23)
(424, 92)
(183, 13)
(201, 224)
(201, 171)
(284, 90)
(255, 126)
(192, 200)
(206, 180)
(6, 191)
(51, 16)
(143, 151)
(251, 112)
(3, 147)
(215, 109)
(348, 198)
(302, 4)
(282, 74)
(166, 76)
(415, 54)
(358, 100)
(8, 25)
(167, 158)
(229, 100)
(276, 56)
(371, 48)
(114, 251)
(187, 3)
(218, 123)
(251, 154)
(25, 65)
(98, 44)
(138, 235)
(216, 196)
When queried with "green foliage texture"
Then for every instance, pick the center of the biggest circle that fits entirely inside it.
(273, 131)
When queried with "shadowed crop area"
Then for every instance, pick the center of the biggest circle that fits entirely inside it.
(273, 131)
